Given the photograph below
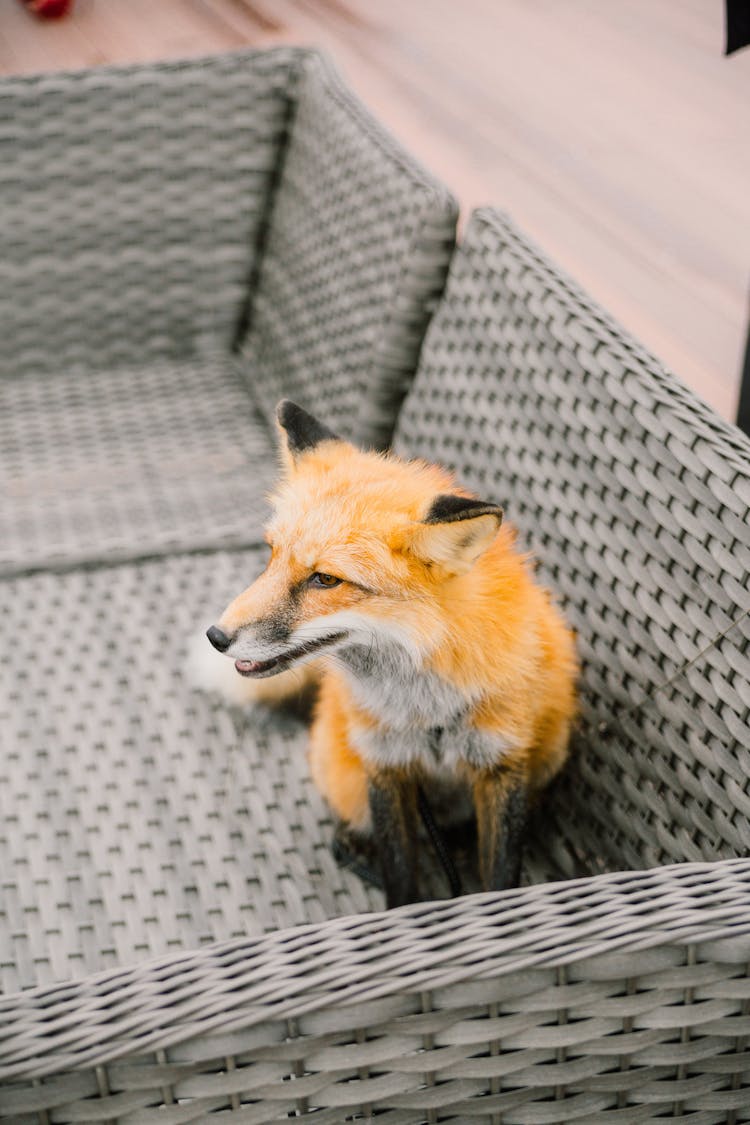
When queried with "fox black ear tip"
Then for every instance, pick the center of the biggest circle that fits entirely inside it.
(285, 411)
(303, 431)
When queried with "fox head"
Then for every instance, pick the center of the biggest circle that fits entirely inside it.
(364, 547)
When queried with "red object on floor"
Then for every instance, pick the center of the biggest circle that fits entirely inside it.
(48, 9)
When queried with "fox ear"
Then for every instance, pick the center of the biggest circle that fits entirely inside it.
(300, 432)
(456, 531)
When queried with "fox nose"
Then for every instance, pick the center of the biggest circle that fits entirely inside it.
(218, 638)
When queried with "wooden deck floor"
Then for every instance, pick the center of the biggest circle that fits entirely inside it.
(616, 133)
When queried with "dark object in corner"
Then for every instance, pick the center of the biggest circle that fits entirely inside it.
(738, 36)
(743, 409)
(738, 25)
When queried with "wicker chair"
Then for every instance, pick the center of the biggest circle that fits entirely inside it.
(176, 942)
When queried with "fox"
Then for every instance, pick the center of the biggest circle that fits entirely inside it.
(435, 652)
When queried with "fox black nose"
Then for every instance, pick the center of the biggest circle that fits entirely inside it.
(218, 638)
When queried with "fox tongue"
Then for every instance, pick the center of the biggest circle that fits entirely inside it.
(250, 667)
(246, 665)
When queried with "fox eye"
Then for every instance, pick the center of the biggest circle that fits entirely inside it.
(324, 581)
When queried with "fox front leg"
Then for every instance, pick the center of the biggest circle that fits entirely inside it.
(393, 808)
(501, 804)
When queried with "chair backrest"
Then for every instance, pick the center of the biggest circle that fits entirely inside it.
(354, 260)
(635, 499)
(131, 203)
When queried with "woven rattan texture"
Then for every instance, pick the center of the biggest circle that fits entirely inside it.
(618, 998)
(136, 814)
(354, 260)
(635, 499)
(129, 462)
(131, 204)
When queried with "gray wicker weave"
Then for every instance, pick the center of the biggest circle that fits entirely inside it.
(139, 816)
(152, 219)
(373, 283)
(133, 204)
(141, 821)
(621, 998)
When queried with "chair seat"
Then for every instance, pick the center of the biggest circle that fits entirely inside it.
(138, 815)
(132, 462)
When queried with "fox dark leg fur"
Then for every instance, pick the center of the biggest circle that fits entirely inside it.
(501, 803)
(393, 807)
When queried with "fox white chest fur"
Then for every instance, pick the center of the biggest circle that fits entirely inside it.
(423, 721)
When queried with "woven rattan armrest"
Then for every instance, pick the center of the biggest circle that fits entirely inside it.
(610, 986)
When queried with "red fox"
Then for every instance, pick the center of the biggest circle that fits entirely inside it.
(436, 651)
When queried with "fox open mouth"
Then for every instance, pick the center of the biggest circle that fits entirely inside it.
(260, 668)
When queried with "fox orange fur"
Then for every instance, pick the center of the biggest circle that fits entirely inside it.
(436, 651)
